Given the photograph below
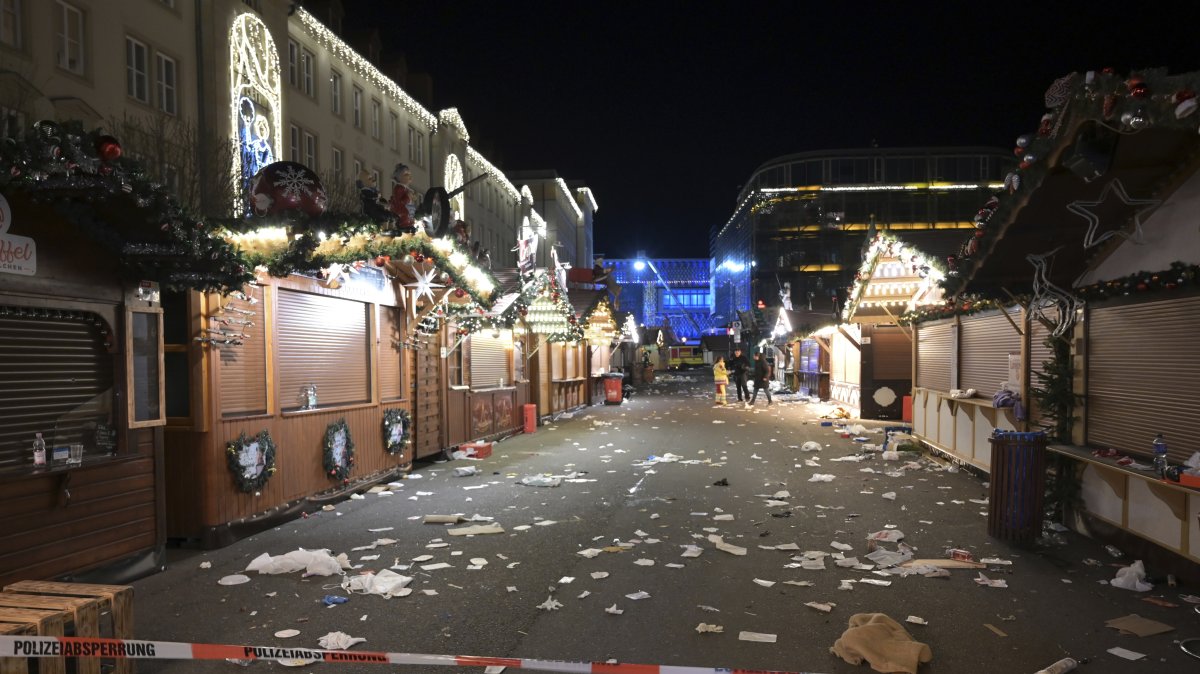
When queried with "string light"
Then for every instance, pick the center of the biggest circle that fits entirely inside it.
(450, 117)
(590, 196)
(496, 174)
(562, 185)
(539, 223)
(890, 258)
(333, 44)
(253, 76)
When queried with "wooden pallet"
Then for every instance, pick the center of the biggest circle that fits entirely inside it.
(45, 623)
(15, 665)
(116, 599)
(84, 615)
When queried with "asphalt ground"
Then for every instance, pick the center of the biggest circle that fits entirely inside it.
(1055, 604)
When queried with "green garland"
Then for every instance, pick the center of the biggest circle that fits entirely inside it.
(334, 469)
(1056, 400)
(392, 418)
(233, 453)
(1180, 275)
(965, 306)
(114, 204)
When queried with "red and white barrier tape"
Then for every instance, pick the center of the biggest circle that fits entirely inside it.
(84, 647)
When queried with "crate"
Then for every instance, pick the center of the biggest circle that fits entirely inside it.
(115, 599)
(84, 616)
(481, 450)
(15, 665)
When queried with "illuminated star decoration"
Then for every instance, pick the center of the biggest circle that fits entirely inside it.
(1083, 209)
(424, 287)
(1048, 297)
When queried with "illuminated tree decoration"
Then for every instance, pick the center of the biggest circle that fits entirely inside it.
(453, 180)
(254, 95)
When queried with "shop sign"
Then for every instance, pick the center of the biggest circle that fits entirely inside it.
(18, 254)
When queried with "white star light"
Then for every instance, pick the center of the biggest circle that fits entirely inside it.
(424, 287)
(1083, 209)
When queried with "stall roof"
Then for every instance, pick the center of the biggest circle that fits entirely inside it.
(894, 277)
(583, 301)
(1103, 126)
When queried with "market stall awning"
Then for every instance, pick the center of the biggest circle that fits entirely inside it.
(895, 278)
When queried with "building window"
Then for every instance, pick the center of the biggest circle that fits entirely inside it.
(416, 146)
(335, 159)
(136, 77)
(294, 143)
(310, 151)
(356, 107)
(455, 366)
(167, 97)
(68, 25)
(293, 63)
(308, 64)
(358, 168)
(376, 111)
(335, 92)
(395, 139)
(10, 23)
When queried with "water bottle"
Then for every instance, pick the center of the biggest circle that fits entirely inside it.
(1160, 455)
(39, 450)
(1060, 667)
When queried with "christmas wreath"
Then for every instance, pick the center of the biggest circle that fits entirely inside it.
(397, 429)
(251, 460)
(339, 450)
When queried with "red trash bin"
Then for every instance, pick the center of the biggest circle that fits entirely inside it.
(613, 388)
(530, 411)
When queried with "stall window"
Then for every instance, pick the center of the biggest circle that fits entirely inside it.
(558, 358)
(56, 378)
(322, 343)
(144, 368)
(518, 355)
(176, 368)
(391, 353)
(489, 359)
(456, 362)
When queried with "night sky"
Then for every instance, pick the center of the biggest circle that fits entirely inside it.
(665, 108)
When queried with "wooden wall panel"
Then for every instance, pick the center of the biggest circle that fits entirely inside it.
(111, 514)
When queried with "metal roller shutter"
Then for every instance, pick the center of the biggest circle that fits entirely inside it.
(892, 353)
(985, 342)
(1143, 363)
(935, 355)
(489, 360)
(56, 378)
(391, 337)
(243, 369)
(322, 341)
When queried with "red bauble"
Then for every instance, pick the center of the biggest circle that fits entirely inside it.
(108, 148)
(287, 187)
(459, 292)
(1137, 87)
(381, 260)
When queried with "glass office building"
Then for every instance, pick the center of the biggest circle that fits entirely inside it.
(802, 219)
(675, 292)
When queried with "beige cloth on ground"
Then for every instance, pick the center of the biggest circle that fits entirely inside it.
(882, 642)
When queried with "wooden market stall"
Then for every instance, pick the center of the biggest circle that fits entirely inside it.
(85, 242)
(307, 386)
(594, 312)
(557, 356)
(1090, 259)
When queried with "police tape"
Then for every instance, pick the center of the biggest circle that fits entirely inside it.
(88, 647)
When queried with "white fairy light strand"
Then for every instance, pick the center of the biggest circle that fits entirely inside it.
(365, 69)
(450, 117)
(496, 174)
(254, 66)
(562, 185)
(590, 196)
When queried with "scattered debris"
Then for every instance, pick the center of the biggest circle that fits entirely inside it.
(756, 636)
(705, 627)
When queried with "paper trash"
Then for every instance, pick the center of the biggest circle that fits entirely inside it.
(726, 547)
(825, 607)
(386, 584)
(311, 562)
(1132, 577)
(477, 530)
(551, 604)
(640, 594)
(235, 579)
(614, 610)
(984, 580)
(819, 477)
(286, 634)
(705, 627)
(887, 536)
(540, 481)
(597, 575)
(916, 620)
(756, 636)
(810, 446)
(338, 641)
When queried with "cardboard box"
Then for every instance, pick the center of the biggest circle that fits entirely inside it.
(479, 450)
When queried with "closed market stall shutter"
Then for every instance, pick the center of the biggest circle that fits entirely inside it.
(852, 356)
(1143, 363)
(243, 369)
(391, 353)
(1039, 353)
(56, 378)
(935, 354)
(489, 360)
(601, 354)
(892, 353)
(557, 366)
(986, 341)
(322, 341)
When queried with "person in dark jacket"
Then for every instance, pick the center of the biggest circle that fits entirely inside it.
(739, 366)
(762, 378)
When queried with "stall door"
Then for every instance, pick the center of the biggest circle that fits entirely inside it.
(887, 371)
(427, 415)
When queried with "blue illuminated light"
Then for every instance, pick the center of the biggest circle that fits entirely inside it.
(639, 265)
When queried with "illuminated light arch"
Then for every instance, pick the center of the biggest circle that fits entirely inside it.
(452, 179)
(255, 106)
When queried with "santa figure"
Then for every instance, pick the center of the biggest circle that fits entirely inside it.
(403, 203)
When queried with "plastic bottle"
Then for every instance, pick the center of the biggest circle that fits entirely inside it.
(39, 450)
(1064, 665)
(1160, 455)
